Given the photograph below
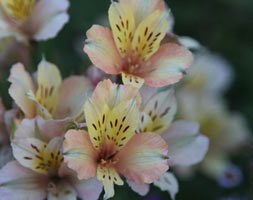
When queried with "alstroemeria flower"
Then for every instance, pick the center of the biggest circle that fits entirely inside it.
(39, 171)
(206, 68)
(111, 147)
(32, 19)
(49, 97)
(225, 130)
(132, 48)
(186, 146)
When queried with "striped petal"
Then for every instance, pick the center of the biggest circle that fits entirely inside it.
(143, 8)
(159, 107)
(49, 81)
(122, 22)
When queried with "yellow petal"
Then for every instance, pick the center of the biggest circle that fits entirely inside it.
(129, 79)
(159, 108)
(108, 176)
(49, 82)
(149, 34)
(96, 117)
(18, 9)
(121, 124)
(121, 19)
(38, 155)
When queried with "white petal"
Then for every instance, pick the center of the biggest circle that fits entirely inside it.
(141, 189)
(168, 182)
(186, 146)
(17, 182)
(48, 18)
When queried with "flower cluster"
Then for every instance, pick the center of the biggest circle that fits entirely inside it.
(80, 136)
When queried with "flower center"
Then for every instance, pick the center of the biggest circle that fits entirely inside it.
(50, 162)
(19, 10)
(107, 159)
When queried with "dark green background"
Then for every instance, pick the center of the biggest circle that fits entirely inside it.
(224, 26)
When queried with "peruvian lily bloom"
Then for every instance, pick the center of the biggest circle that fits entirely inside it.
(111, 147)
(206, 68)
(186, 146)
(32, 19)
(39, 172)
(132, 48)
(225, 130)
(49, 97)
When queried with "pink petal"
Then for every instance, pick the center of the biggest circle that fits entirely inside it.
(141, 189)
(48, 18)
(51, 128)
(21, 84)
(102, 50)
(89, 189)
(166, 66)
(73, 94)
(144, 158)
(17, 182)
(26, 129)
(168, 182)
(186, 145)
(80, 154)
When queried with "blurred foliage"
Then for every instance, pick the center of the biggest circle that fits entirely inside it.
(224, 26)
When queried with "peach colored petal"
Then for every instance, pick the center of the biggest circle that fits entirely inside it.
(21, 84)
(18, 182)
(80, 154)
(143, 8)
(73, 94)
(143, 159)
(166, 66)
(101, 49)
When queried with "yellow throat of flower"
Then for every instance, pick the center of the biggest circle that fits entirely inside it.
(19, 10)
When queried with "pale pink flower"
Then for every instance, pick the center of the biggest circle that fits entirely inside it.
(32, 19)
(49, 96)
(186, 146)
(206, 68)
(132, 48)
(39, 171)
(111, 147)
